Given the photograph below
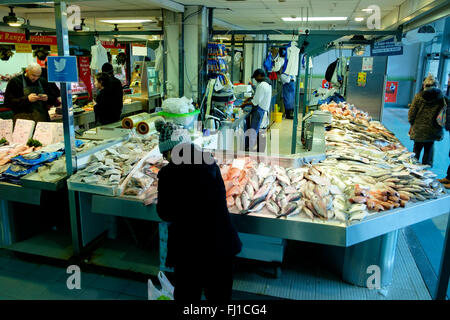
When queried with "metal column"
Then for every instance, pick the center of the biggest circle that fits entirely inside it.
(232, 57)
(296, 106)
(66, 91)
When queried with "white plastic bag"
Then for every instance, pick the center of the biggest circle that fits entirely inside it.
(177, 105)
(166, 292)
(166, 286)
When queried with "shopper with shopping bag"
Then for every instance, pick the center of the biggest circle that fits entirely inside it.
(422, 116)
(202, 241)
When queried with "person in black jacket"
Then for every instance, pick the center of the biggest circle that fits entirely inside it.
(115, 89)
(106, 105)
(29, 95)
(202, 241)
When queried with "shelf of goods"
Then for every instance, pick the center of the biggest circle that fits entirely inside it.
(355, 188)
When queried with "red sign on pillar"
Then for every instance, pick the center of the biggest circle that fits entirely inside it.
(84, 73)
(391, 92)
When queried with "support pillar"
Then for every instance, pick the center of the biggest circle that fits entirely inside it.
(195, 41)
(172, 36)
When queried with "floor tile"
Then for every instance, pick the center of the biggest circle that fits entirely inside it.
(86, 278)
(109, 283)
(19, 266)
(124, 296)
(97, 294)
(138, 289)
(47, 273)
(59, 291)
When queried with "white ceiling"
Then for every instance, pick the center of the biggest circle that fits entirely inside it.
(247, 14)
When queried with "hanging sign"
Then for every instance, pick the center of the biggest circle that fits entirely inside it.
(367, 64)
(13, 37)
(326, 84)
(386, 48)
(23, 48)
(84, 72)
(62, 69)
(114, 51)
(54, 49)
(390, 95)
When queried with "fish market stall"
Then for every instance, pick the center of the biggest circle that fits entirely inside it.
(354, 189)
(34, 182)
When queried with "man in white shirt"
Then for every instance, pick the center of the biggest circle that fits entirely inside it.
(260, 105)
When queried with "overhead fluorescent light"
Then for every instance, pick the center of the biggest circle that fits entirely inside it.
(290, 19)
(127, 21)
(367, 10)
(359, 19)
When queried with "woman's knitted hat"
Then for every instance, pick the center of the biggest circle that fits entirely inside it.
(170, 135)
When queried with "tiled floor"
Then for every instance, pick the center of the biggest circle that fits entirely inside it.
(431, 233)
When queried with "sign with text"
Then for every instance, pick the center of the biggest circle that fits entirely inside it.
(84, 71)
(13, 37)
(390, 95)
(23, 48)
(386, 48)
(62, 69)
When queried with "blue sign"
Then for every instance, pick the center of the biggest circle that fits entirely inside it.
(62, 69)
(386, 48)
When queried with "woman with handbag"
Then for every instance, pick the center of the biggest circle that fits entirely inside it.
(422, 115)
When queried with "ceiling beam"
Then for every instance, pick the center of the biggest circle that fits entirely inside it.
(111, 33)
(224, 24)
(169, 5)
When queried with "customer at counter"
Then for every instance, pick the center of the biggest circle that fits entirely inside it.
(422, 116)
(107, 109)
(115, 88)
(202, 241)
(260, 106)
(29, 95)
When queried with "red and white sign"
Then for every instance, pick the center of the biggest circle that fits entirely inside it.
(110, 45)
(390, 95)
(13, 37)
(84, 73)
(326, 84)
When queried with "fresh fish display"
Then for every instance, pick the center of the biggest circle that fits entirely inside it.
(273, 207)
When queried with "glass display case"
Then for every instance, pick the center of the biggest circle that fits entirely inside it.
(153, 81)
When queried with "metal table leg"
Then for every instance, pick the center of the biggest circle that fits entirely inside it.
(365, 261)
(6, 226)
(163, 236)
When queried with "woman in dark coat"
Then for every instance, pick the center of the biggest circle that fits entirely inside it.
(422, 116)
(202, 241)
(107, 108)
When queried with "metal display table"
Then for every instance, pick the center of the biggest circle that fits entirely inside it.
(33, 193)
(372, 241)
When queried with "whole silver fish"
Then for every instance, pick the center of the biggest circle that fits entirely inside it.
(273, 207)
(289, 209)
(254, 182)
(254, 207)
(250, 191)
(238, 203)
(264, 190)
(283, 178)
(294, 197)
(245, 200)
